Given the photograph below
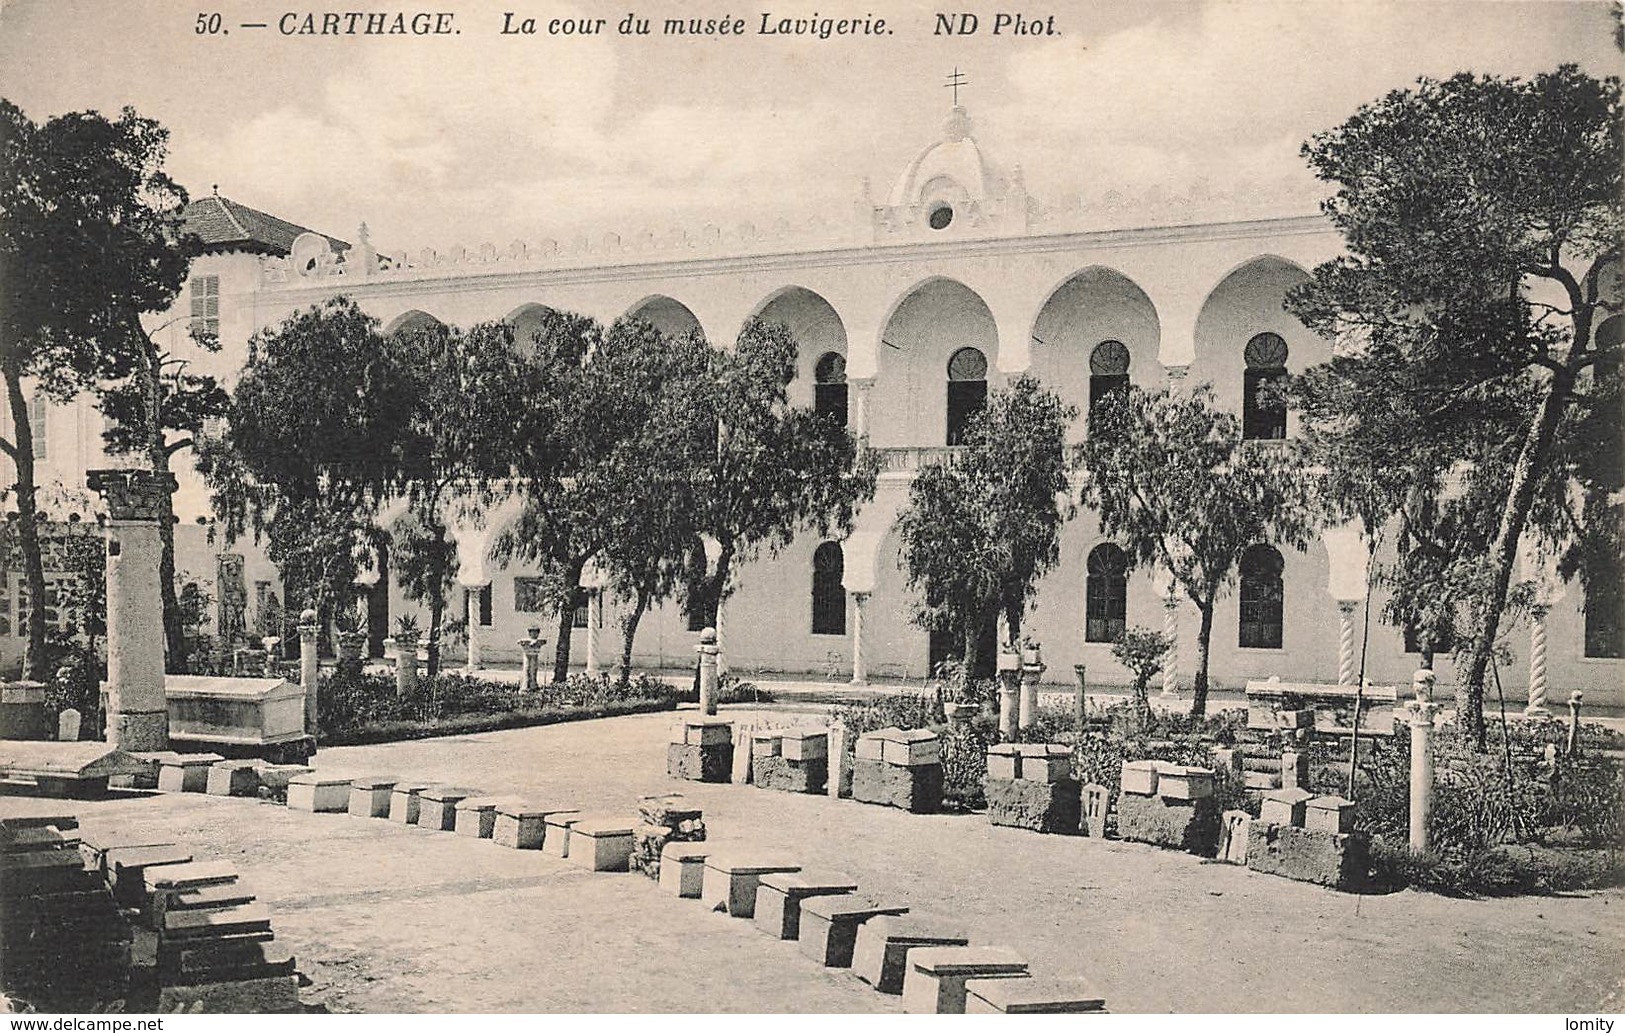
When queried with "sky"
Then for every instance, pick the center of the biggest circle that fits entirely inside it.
(478, 136)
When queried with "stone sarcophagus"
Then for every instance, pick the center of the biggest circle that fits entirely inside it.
(238, 717)
(1332, 706)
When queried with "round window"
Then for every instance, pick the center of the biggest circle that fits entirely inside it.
(941, 216)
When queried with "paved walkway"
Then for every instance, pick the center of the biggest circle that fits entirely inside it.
(389, 918)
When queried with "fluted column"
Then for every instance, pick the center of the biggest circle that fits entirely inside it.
(1170, 630)
(1347, 665)
(860, 669)
(1537, 664)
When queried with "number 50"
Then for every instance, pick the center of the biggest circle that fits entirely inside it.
(208, 24)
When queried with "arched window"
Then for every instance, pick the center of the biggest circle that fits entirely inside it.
(1262, 598)
(967, 390)
(1108, 376)
(1263, 406)
(828, 595)
(829, 387)
(1105, 594)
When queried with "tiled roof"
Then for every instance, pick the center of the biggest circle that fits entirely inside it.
(224, 225)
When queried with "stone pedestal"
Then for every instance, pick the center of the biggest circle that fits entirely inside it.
(404, 653)
(233, 778)
(519, 826)
(935, 982)
(369, 797)
(1285, 806)
(899, 769)
(1294, 770)
(437, 807)
(839, 781)
(779, 897)
(682, 869)
(731, 882)
(829, 926)
(530, 659)
(601, 844)
(186, 772)
(556, 838)
(319, 794)
(1190, 825)
(884, 943)
(1234, 829)
(477, 816)
(1338, 860)
(1039, 995)
(702, 750)
(22, 711)
(137, 712)
(791, 762)
(1040, 806)
(405, 801)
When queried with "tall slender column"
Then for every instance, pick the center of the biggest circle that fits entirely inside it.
(471, 612)
(1032, 672)
(138, 711)
(1537, 664)
(1421, 714)
(860, 388)
(722, 643)
(1347, 666)
(309, 666)
(860, 668)
(708, 670)
(595, 617)
(1170, 630)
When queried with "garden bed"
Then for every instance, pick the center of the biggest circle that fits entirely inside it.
(359, 709)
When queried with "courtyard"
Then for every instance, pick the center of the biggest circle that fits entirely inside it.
(390, 918)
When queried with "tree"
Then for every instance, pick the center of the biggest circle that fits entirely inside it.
(603, 388)
(1172, 477)
(1482, 218)
(88, 244)
(981, 530)
(1143, 652)
(652, 530)
(468, 396)
(776, 468)
(318, 430)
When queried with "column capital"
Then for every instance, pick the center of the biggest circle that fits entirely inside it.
(1347, 606)
(1422, 713)
(132, 494)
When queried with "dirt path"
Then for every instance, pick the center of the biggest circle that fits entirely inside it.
(390, 918)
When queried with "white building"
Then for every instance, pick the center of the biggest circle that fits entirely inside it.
(907, 313)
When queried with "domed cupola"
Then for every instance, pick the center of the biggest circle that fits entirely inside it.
(952, 190)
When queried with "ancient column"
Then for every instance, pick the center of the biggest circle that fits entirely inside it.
(530, 658)
(309, 666)
(860, 669)
(708, 651)
(405, 655)
(721, 642)
(471, 611)
(137, 710)
(1537, 665)
(1170, 630)
(595, 617)
(860, 387)
(1082, 708)
(1009, 670)
(1422, 712)
(1574, 722)
(1032, 671)
(1347, 662)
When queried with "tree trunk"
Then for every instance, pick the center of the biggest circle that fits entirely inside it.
(1532, 457)
(175, 659)
(1204, 637)
(437, 614)
(973, 647)
(629, 632)
(567, 620)
(36, 664)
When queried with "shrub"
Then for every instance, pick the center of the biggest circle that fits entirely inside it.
(904, 710)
